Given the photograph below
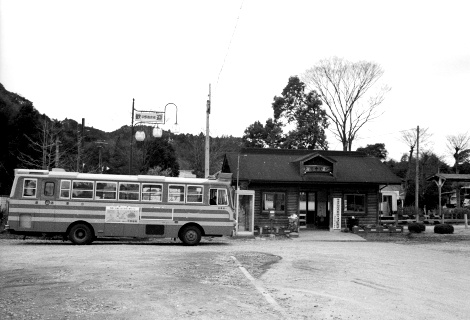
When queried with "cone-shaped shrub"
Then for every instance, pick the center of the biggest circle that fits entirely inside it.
(444, 228)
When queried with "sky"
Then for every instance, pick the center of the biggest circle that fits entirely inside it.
(90, 59)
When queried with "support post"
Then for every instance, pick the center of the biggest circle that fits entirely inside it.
(440, 183)
(417, 176)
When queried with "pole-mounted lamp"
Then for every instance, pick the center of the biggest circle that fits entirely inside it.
(150, 117)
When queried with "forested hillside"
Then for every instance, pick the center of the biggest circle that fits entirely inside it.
(29, 139)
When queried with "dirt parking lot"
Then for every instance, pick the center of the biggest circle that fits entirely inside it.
(408, 277)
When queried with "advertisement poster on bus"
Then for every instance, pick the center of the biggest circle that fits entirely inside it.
(122, 214)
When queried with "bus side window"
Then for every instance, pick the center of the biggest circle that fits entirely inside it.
(129, 191)
(29, 188)
(82, 189)
(176, 193)
(65, 186)
(49, 188)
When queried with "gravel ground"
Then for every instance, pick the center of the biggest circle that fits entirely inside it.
(404, 276)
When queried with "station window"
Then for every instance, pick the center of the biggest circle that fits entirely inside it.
(354, 202)
(106, 190)
(129, 191)
(65, 189)
(30, 188)
(195, 194)
(82, 190)
(152, 192)
(274, 201)
(175, 193)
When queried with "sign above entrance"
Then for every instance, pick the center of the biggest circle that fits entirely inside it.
(317, 168)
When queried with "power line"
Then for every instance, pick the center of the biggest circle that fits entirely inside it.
(230, 43)
(385, 134)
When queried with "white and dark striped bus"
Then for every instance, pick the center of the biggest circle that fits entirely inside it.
(84, 206)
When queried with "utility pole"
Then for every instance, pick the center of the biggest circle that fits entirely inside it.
(80, 143)
(100, 144)
(132, 137)
(417, 176)
(57, 143)
(208, 111)
(45, 140)
(79, 138)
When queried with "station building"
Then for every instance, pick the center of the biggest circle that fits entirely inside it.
(321, 188)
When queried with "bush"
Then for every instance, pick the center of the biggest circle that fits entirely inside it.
(444, 228)
(416, 227)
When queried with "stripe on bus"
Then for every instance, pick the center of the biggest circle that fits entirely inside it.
(97, 206)
(142, 222)
(77, 214)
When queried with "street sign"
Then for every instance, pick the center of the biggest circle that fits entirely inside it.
(149, 116)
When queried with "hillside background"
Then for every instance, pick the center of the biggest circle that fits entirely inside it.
(29, 139)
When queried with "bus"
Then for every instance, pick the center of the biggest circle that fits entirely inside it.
(82, 207)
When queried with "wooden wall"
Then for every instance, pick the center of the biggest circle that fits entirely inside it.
(371, 214)
(292, 201)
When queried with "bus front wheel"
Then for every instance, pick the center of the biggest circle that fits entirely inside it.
(191, 235)
(81, 234)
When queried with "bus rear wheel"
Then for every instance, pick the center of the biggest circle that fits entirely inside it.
(81, 234)
(191, 235)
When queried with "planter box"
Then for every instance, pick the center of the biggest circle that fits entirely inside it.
(374, 229)
(395, 229)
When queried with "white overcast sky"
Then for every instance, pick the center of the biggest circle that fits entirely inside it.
(89, 59)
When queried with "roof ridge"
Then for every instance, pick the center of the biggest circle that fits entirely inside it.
(300, 152)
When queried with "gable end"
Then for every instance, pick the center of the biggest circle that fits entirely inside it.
(317, 164)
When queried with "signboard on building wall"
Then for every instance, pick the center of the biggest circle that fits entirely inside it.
(317, 168)
(336, 213)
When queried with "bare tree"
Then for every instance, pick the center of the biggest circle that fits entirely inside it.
(410, 137)
(48, 143)
(45, 145)
(459, 147)
(344, 87)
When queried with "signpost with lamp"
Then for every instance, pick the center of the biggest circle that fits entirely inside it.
(149, 117)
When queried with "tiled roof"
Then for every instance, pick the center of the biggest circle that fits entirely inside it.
(283, 165)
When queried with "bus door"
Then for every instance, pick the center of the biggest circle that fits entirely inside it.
(47, 204)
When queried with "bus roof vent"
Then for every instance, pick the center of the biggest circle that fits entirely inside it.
(58, 170)
(223, 176)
